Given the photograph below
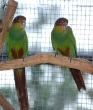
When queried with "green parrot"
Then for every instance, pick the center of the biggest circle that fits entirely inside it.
(16, 43)
(64, 43)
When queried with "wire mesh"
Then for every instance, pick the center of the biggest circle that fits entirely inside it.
(52, 87)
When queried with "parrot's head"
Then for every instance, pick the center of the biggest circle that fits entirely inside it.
(61, 23)
(21, 20)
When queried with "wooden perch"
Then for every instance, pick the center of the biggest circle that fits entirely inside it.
(12, 5)
(4, 103)
(41, 58)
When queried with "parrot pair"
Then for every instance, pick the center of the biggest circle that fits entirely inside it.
(16, 43)
(64, 43)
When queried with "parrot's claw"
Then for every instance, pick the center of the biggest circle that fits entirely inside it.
(56, 54)
(6, 60)
(23, 59)
(70, 57)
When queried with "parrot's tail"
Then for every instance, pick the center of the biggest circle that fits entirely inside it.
(77, 76)
(21, 88)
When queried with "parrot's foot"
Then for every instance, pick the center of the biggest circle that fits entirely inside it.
(70, 57)
(23, 59)
(56, 54)
(6, 60)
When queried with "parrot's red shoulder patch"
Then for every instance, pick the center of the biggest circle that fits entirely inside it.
(17, 54)
(20, 53)
(14, 54)
(66, 52)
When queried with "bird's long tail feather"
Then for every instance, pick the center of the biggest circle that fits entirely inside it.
(21, 88)
(77, 76)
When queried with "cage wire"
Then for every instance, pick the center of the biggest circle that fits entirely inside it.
(52, 87)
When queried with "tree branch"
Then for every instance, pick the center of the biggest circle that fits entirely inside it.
(4, 103)
(12, 5)
(40, 58)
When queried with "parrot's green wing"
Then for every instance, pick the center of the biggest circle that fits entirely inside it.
(61, 41)
(72, 38)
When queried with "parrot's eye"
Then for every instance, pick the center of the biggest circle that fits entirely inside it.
(59, 22)
(64, 24)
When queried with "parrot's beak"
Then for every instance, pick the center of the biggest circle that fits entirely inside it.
(64, 28)
(23, 25)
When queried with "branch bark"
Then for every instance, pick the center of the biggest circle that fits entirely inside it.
(12, 5)
(4, 103)
(49, 58)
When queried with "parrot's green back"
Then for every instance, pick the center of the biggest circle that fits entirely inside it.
(64, 43)
(16, 43)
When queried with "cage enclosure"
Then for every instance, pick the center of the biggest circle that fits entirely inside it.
(51, 87)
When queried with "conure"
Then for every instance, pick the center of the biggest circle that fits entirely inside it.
(64, 43)
(16, 43)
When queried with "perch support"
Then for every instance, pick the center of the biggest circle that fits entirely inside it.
(4, 103)
(12, 5)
